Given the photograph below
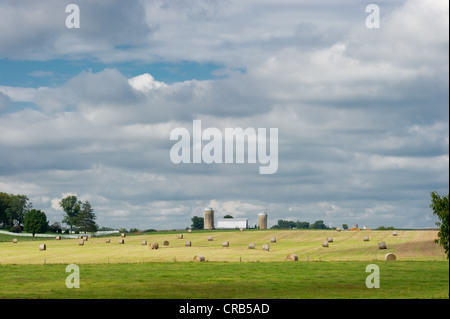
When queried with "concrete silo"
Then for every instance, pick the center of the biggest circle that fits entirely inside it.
(209, 218)
(262, 221)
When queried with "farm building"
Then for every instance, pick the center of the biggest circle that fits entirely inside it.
(232, 223)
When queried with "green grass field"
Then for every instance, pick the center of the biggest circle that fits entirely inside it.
(132, 270)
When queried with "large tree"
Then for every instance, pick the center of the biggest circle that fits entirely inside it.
(13, 209)
(440, 206)
(35, 222)
(197, 222)
(71, 206)
(18, 206)
(86, 218)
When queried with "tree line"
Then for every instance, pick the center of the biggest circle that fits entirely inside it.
(17, 214)
(289, 224)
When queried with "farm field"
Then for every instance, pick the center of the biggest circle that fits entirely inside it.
(133, 270)
(307, 244)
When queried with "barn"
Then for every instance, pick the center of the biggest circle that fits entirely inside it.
(232, 223)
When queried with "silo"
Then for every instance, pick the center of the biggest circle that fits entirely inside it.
(209, 218)
(262, 221)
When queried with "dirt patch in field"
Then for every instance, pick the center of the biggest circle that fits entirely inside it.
(422, 244)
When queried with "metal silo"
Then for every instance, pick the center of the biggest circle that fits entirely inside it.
(262, 221)
(209, 218)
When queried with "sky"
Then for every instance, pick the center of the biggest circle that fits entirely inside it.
(362, 112)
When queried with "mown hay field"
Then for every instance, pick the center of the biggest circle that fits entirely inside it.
(306, 244)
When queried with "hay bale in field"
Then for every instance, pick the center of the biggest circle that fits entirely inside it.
(251, 246)
(390, 256)
(58, 237)
(154, 246)
(382, 245)
(180, 236)
(266, 247)
(394, 233)
(166, 243)
(199, 258)
(325, 243)
(81, 242)
(85, 238)
(292, 257)
(187, 243)
(123, 235)
(108, 240)
(241, 229)
(338, 228)
(42, 247)
(330, 239)
(121, 241)
(366, 238)
(210, 238)
(15, 241)
(226, 244)
(273, 240)
(189, 231)
(144, 243)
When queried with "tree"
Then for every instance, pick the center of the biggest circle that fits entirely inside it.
(227, 216)
(344, 226)
(18, 206)
(35, 222)
(197, 222)
(440, 207)
(13, 209)
(4, 204)
(71, 206)
(86, 218)
(318, 224)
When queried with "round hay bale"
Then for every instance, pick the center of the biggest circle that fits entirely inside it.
(394, 233)
(187, 243)
(292, 257)
(325, 243)
(166, 243)
(85, 238)
(58, 237)
(273, 240)
(189, 231)
(241, 229)
(121, 241)
(154, 246)
(366, 238)
(81, 242)
(390, 256)
(210, 238)
(226, 244)
(108, 240)
(338, 228)
(266, 247)
(382, 245)
(251, 246)
(199, 258)
(123, 235)
(15, 241)
(42, 247)
(330, 239)
(144, 243)
(180, 236)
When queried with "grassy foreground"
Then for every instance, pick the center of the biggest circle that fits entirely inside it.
(219, 280)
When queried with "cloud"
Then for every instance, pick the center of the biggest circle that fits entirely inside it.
(362, 113)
